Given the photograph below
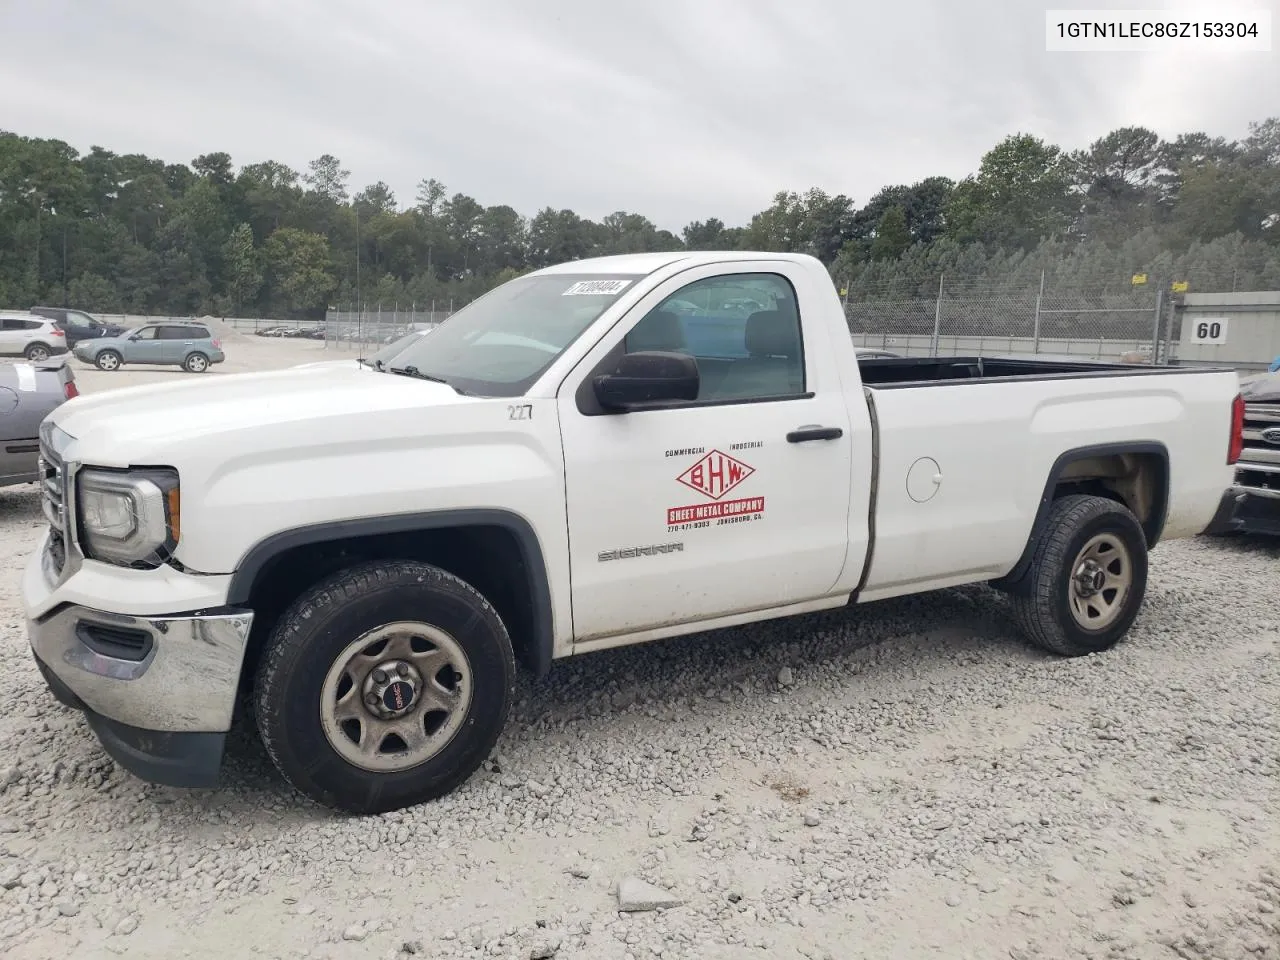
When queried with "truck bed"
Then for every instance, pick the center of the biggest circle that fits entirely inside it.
(967, 449)
(904, 371)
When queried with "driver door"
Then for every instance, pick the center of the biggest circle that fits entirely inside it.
(11, 340)
(77, 328)
(145, 346)
(713, 507)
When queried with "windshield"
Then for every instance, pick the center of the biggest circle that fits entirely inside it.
(499, 345)
(393, 348)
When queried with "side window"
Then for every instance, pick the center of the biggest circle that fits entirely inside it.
(8, 324)
(197, 333)
(77, 320)
(148, 333)
(175, 333)
(743, 330)
(31, 324)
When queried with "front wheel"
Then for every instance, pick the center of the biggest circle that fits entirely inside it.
(1087, 579)
(384, 686)
(108, 360)
(196, 363)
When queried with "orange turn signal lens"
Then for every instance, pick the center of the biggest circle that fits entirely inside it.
(173, 502)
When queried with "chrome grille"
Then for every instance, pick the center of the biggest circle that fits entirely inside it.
(53, 489)
(1259, 464)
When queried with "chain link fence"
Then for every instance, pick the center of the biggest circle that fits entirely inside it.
(967, 318)
(357, 329)
(953, 316)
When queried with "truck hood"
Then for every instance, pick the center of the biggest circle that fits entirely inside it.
(138, 425)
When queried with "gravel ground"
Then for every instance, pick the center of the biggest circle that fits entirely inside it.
(906, 779)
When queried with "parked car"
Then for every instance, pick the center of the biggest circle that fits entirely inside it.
(31, 336)
(292, 332)
(29, 392)
(78, 325)
(187, 345)
(366, 555)
(1254, 498)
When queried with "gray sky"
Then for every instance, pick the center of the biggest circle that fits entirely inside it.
(677, 110)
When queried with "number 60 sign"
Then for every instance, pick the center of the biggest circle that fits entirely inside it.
(1207, 330)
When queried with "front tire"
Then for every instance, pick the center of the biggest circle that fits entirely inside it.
(196, 363)
(1087, 578)
(108, 360)
(384, 686)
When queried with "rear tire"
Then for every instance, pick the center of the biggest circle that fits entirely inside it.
(1087, 578)
(384, 686)
(196, 363)
(36, 353)
(108, 360)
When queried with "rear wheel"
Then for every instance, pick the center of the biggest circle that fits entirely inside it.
(36, 352)
(196, 363)
(1087, 579)
(384, 686)
(108, 360)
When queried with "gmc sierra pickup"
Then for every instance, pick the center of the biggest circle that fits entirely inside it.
(600, 453)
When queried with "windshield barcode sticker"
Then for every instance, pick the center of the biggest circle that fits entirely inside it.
(597, 288)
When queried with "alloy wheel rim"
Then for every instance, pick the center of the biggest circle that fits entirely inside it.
(1101, 579)
(396, 696)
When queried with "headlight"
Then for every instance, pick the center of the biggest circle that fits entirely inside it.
(128, 517)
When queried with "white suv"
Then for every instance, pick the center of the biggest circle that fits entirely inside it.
(25, 334)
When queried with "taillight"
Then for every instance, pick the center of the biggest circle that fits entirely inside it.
(1236, 446)
(56, 332)
(70, 390)
(217, 344)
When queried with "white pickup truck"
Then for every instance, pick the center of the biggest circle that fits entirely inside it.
(601, 453)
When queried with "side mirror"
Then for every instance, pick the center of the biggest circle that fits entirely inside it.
(651, 378)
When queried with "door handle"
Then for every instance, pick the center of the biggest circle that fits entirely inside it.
(805, 434)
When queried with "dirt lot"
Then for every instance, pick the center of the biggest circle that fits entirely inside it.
(903, 780)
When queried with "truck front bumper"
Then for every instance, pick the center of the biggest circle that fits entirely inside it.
(159, 692)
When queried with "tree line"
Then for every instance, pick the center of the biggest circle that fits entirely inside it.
(127, 233)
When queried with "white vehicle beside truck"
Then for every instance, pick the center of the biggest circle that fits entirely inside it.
(364, 556)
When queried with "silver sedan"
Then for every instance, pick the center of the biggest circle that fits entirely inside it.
(29, 392)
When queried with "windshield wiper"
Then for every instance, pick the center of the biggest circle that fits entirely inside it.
(376, 364)
(412, 371)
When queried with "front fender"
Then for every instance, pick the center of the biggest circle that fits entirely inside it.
(531, 561)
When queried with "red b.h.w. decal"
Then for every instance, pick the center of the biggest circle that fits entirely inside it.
(715, 474)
